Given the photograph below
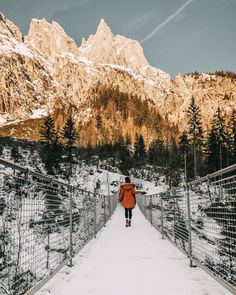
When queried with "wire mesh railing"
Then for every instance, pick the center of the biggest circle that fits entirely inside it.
(200, 219)
(43, 224)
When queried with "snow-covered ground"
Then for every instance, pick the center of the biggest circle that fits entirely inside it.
(131, 261)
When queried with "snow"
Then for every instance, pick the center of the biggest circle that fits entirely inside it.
(131, 261)
(76, 59)
(82, 49)
(80, 59)
(38, 113)
(73, 58)
(2, 120)
(130, 72)
(119, 50)
(15, 46)
(85, 61)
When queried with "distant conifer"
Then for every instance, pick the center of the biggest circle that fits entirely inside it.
(195, 133)
(139, 150)
(51, 148)
(217, 143)
(48, 131)
(69, 137)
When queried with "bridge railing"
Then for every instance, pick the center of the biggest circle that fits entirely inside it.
(200, 219)
(43, 224)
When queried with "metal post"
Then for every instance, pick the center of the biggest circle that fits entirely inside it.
(185, 167)
(109, 203)
(189, 228)
(104, 211)
(108, 190)
(70, 228)
(95, 214)
(194, 155)
(141, 203)
(208, 190)
(88, 225)
(112, 204)
(162, 219)
(48, 247)
(150, 203)
(174, 235)
(145, 207)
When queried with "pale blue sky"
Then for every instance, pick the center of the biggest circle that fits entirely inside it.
(201, 37)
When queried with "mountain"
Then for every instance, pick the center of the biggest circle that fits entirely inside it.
(106, 79)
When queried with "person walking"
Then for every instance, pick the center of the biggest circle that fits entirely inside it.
(127, 196)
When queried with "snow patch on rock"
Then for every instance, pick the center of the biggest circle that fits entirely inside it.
(38, 113)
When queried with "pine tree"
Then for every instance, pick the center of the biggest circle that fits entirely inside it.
(184, 152)
(174, 163)
(139, 150)
(217, 157)
(70, 136)
(232, 137)
(15, 154)
(69, 133)
(124, 156)
(118, 147)
(51, 149)
(195, 133)
(98, 121)
(48, 131)
(128, 144)
(212, 151)
(157, 153)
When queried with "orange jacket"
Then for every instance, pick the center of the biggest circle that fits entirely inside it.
(127, 195)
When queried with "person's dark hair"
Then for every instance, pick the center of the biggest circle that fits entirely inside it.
(127, 179)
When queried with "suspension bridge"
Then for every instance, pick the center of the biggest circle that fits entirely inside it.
(58, 239)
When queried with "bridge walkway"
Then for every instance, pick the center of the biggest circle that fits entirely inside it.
(131, 261)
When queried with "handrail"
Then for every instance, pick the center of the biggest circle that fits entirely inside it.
(31, 172)
(200, 221)
(43, 226)
(213, 175)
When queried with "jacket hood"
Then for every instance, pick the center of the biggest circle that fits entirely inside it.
(127, 186)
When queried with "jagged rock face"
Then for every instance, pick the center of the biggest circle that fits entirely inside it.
(210, 91)
(50, 39)
(47, 72)
(105, 48)
(8, 29)
(25, 82)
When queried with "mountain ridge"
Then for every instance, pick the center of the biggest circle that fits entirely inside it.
(46, 71)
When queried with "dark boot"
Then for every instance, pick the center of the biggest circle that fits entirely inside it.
(127, 222)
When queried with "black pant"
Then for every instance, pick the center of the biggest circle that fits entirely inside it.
(128, 213)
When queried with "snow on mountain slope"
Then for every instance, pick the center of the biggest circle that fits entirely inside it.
(46, 70)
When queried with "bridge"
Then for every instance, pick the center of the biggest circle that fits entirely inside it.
(58, 239)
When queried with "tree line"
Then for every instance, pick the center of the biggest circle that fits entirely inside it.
(209, 151)
(57, 147)
(192, 154)
(197, 153)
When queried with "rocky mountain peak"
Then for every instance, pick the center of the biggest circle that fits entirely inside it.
(131, 51)
(99, 48)
(103, 30)
(106, 48)
(9, 29)
(50, 39)
(49, 73)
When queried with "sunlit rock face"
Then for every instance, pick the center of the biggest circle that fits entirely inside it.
(46, 72)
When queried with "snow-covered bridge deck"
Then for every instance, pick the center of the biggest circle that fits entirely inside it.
(131, 261)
